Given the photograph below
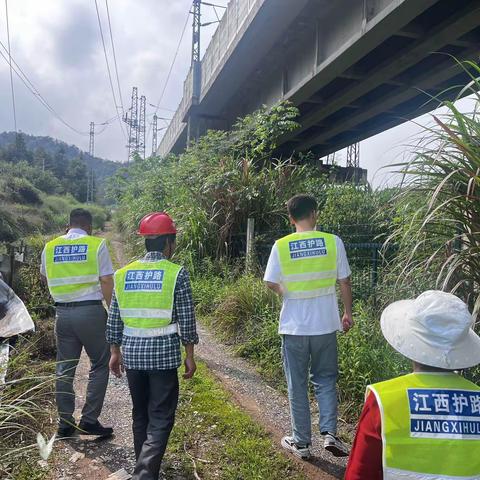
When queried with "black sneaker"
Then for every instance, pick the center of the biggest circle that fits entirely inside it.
(66, 431)
(94, 429)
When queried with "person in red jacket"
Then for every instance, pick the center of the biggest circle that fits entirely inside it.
(395, 438)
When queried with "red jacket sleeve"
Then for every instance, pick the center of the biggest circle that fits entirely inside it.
(366, 457)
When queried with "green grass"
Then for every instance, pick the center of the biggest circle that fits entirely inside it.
(26, 408)
(29, 471)
(244, 314)
(223, 441)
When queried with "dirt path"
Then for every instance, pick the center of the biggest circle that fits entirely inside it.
(88, 459)
(265, 404)
(83, 458)
(119, 256)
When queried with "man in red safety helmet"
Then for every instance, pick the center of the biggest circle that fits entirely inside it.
(152, 311)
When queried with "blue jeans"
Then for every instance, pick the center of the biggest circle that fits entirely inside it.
(315, 355)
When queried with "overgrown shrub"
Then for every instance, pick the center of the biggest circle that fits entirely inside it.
(29, 285)
(22, 191)
(26, 409)
(245, 314)
(439, 204)
(18, 221)
(8, 229)
(365, 357)
(212, 188)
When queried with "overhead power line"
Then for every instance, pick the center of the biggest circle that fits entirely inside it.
(162, 108)
(11, 72)
(108, 69)
(33, 90)
(213, 5)
(114, 58)
(167, 79)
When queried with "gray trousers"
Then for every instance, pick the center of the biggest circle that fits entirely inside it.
(315, 358)
(77, 328)
(154, 397)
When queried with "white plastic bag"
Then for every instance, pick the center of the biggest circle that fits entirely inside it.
(15, 318)
(4, 353)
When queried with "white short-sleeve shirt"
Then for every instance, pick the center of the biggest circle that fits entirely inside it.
(309, 316)
(104, 263)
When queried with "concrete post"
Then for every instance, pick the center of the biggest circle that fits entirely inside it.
(249, 260)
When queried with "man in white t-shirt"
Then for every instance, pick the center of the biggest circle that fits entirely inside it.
(79, 273)
(304, 268)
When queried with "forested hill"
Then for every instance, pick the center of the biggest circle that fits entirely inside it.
(60, 151)
(42, 180)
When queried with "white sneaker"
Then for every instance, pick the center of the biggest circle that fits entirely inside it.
(335, 446)
(301, 451)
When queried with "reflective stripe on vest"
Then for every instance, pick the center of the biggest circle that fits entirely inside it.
(145, 295)
(308, 262)
(430, 427)
(151, 332)
(72, 267)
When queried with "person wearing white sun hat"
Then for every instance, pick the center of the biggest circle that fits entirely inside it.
(425, 425)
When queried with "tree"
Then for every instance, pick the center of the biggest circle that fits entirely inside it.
(17, 152)
(42, 160)
(76, 179)
(60, 163)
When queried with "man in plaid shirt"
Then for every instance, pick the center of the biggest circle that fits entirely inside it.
(151, 313)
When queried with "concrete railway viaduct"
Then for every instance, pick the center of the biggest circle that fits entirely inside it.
(354, 68)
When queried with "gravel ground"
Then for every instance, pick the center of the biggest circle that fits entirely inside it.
(268, 406)
(101, 457)
(97, 459)
(92, 459)
(88, 459)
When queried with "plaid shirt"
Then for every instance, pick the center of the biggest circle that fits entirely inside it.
(156, 353)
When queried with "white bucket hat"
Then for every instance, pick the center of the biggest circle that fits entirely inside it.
(434, 329)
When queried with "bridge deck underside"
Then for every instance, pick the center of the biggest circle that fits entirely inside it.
(404, 76)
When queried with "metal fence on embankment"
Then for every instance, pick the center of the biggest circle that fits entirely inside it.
(362, 244)
(12, 257)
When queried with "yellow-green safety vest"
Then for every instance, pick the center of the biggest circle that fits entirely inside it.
(145, 296)
(72, 267)
(308, 262)
(430, 427)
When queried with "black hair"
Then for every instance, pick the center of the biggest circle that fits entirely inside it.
(80, 217)
(301, 206)
(159, 243)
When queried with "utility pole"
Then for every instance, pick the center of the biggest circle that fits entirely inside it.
(331, 159)
(196, 31)
(91, 152)
(92, 185)
(132, 122)
(155, 133)
(192, 125)
(141, 128)
(353, 155)
(353, 161)
(91, 148)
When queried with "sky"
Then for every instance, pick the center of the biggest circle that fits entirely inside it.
(57, 44)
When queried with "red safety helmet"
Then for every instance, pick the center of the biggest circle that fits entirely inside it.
(155, 224)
